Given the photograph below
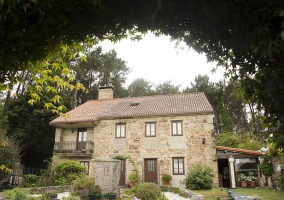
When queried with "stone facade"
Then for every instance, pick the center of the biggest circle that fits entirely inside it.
(196, 128)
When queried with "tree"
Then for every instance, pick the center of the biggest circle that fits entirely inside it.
(167, 88)
(140, 87)
(99, 69)
(29, 126)
(229, 108)
(246, 37)
(9, 154)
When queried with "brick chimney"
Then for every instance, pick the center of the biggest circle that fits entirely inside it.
(105, 92)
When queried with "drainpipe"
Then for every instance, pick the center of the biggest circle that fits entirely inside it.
(232, 172)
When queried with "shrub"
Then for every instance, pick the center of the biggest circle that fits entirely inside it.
(31, 180)
(148, 191)
(134, 177)
(266, 168)
(9, 154)
(68, 171)
(95, 190)
(199, 177)
(72, 197)
(18, 194)
(166, 177)
(83, 183)
(227, 139)
(251, 142)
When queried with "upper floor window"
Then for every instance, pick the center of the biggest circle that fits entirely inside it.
(150, 129)
(176, 127)
(120, 130)
(178, 166)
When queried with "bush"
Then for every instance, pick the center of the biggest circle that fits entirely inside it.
(18, 194)
(9, 154)
(266, 168)
(134, 177)
(31, 180)
(148, 191)
(82, 183)
(251, 142)
(227, 139)
(68, 171)
(199, 177)
(166, 177)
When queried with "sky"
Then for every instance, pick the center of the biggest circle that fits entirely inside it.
(157, 60)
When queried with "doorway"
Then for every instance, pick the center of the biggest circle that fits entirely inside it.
(150, 171)
(122, 173)
(81, 139)
(223, 173)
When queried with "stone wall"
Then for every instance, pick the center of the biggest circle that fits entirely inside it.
(163, 147)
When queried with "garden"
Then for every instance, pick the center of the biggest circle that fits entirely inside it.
(69, 177)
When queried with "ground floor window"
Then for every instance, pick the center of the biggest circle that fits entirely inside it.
(86, 164)
(178, 166)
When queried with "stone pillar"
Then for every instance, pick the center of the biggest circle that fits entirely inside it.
(232, 172)
(107, 175)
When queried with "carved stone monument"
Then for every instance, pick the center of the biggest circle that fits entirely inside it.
(107, 175)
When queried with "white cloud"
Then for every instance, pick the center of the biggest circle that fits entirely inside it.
(156, 59)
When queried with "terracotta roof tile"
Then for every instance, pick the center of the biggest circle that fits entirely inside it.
(237, 150)
(137, 106)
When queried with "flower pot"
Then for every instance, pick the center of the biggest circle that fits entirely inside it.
(94, 196)
(244, 184)
(131, 184)
(166, 183)
(252, 184)
(110, 196)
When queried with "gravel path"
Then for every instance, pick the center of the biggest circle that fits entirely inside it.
(172, 196)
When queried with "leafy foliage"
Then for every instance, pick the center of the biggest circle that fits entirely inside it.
(245, 37)
(83, 183)
(199, 177)
(68, 171)
(233, 140)
(140, 87)
(30, 180)
(97, 70)
(29, 124)
(9, 154)
(227, 139)
(147, 191)
(266, 167)
(18, 194)
(251, 142)
(166, 177)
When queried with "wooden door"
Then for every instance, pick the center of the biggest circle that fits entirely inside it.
(122, 173)
(81, 139)
(150, 170)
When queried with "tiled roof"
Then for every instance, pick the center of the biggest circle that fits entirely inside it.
(237, 150)
(137, 106)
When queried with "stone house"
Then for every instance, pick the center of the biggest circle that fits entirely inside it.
(163, 134)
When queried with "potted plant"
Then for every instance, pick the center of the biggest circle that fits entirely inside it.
(110, 196)
(242, 179)
(133, 178)
(166, 178)
(251, 179)
(95, 192)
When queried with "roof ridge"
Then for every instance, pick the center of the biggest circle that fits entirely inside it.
(150, 96)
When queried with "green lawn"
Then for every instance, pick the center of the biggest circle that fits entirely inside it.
(264, 194)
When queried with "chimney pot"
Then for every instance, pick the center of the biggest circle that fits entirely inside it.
(105, 92)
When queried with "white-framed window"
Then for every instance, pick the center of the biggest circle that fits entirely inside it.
(150, 129)
(176, 128)
(178, 166)
(120, 130)
(86, 164)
